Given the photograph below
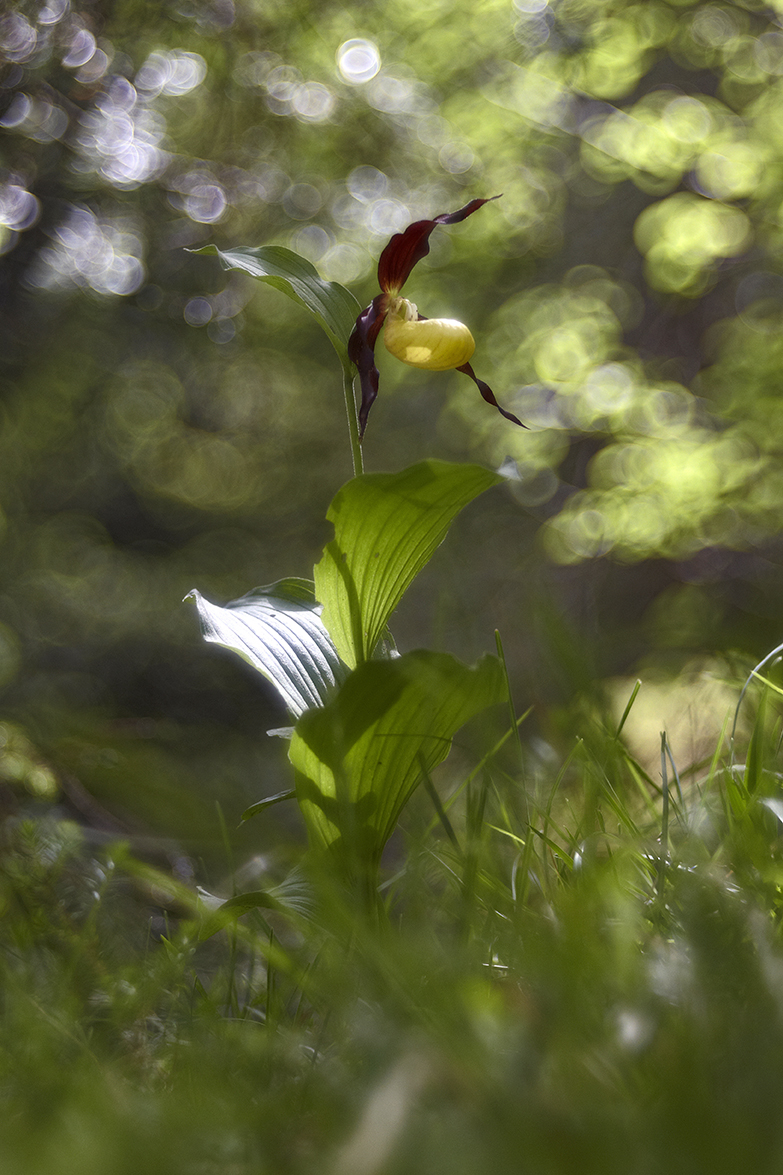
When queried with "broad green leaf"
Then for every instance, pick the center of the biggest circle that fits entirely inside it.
(359, 759)
(278, 629)
(386, 528)
(334, 308)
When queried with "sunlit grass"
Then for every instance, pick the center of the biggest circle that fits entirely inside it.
(573, 965)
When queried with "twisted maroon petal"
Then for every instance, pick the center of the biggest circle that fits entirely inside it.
(361, 351)
(397, 260)
(405, 249)
(488, 394)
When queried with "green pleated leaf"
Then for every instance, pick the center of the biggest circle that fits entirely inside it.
(386, 528)
(359, 759)
(334, 308)
(278, 630)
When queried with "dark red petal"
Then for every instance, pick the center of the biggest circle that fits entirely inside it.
(404, 250)
(488, 394)
(361, 351)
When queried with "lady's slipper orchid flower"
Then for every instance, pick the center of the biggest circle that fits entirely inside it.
(436, 344)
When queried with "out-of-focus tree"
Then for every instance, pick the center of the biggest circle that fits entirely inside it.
(165, 423)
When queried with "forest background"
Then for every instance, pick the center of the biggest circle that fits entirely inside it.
(166, 425)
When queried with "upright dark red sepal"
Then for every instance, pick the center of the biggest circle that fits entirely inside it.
(361, 351)
(406, 249)
(488, 394)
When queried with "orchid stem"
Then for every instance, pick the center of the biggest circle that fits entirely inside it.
(353, 423)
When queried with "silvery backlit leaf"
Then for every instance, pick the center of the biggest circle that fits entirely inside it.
(278, 630)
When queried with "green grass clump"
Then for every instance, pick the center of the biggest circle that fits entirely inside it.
(570, 967)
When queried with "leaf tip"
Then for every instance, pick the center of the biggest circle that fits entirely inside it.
(508, 470)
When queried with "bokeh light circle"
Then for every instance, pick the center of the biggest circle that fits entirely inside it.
(358, 61)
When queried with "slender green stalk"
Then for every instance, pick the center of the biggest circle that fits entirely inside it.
(438, 806)
(353, 422)
(514, 723)
(661, 879)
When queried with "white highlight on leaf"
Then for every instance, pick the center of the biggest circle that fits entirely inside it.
(283, 637)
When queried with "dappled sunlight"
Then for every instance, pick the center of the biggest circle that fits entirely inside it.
(682, 236)
(35, 118)
(121, 138)
(731, 169)
(200, 195)
(668, 494)
(562, 345)
(546, 119)
(103, 254)
(456, 914)
(172, 73)
(19, 211)
(695, 709)
(358, 61)
(617, 57)
(744, 378)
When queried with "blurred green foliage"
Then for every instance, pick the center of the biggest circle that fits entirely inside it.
(571, 997)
